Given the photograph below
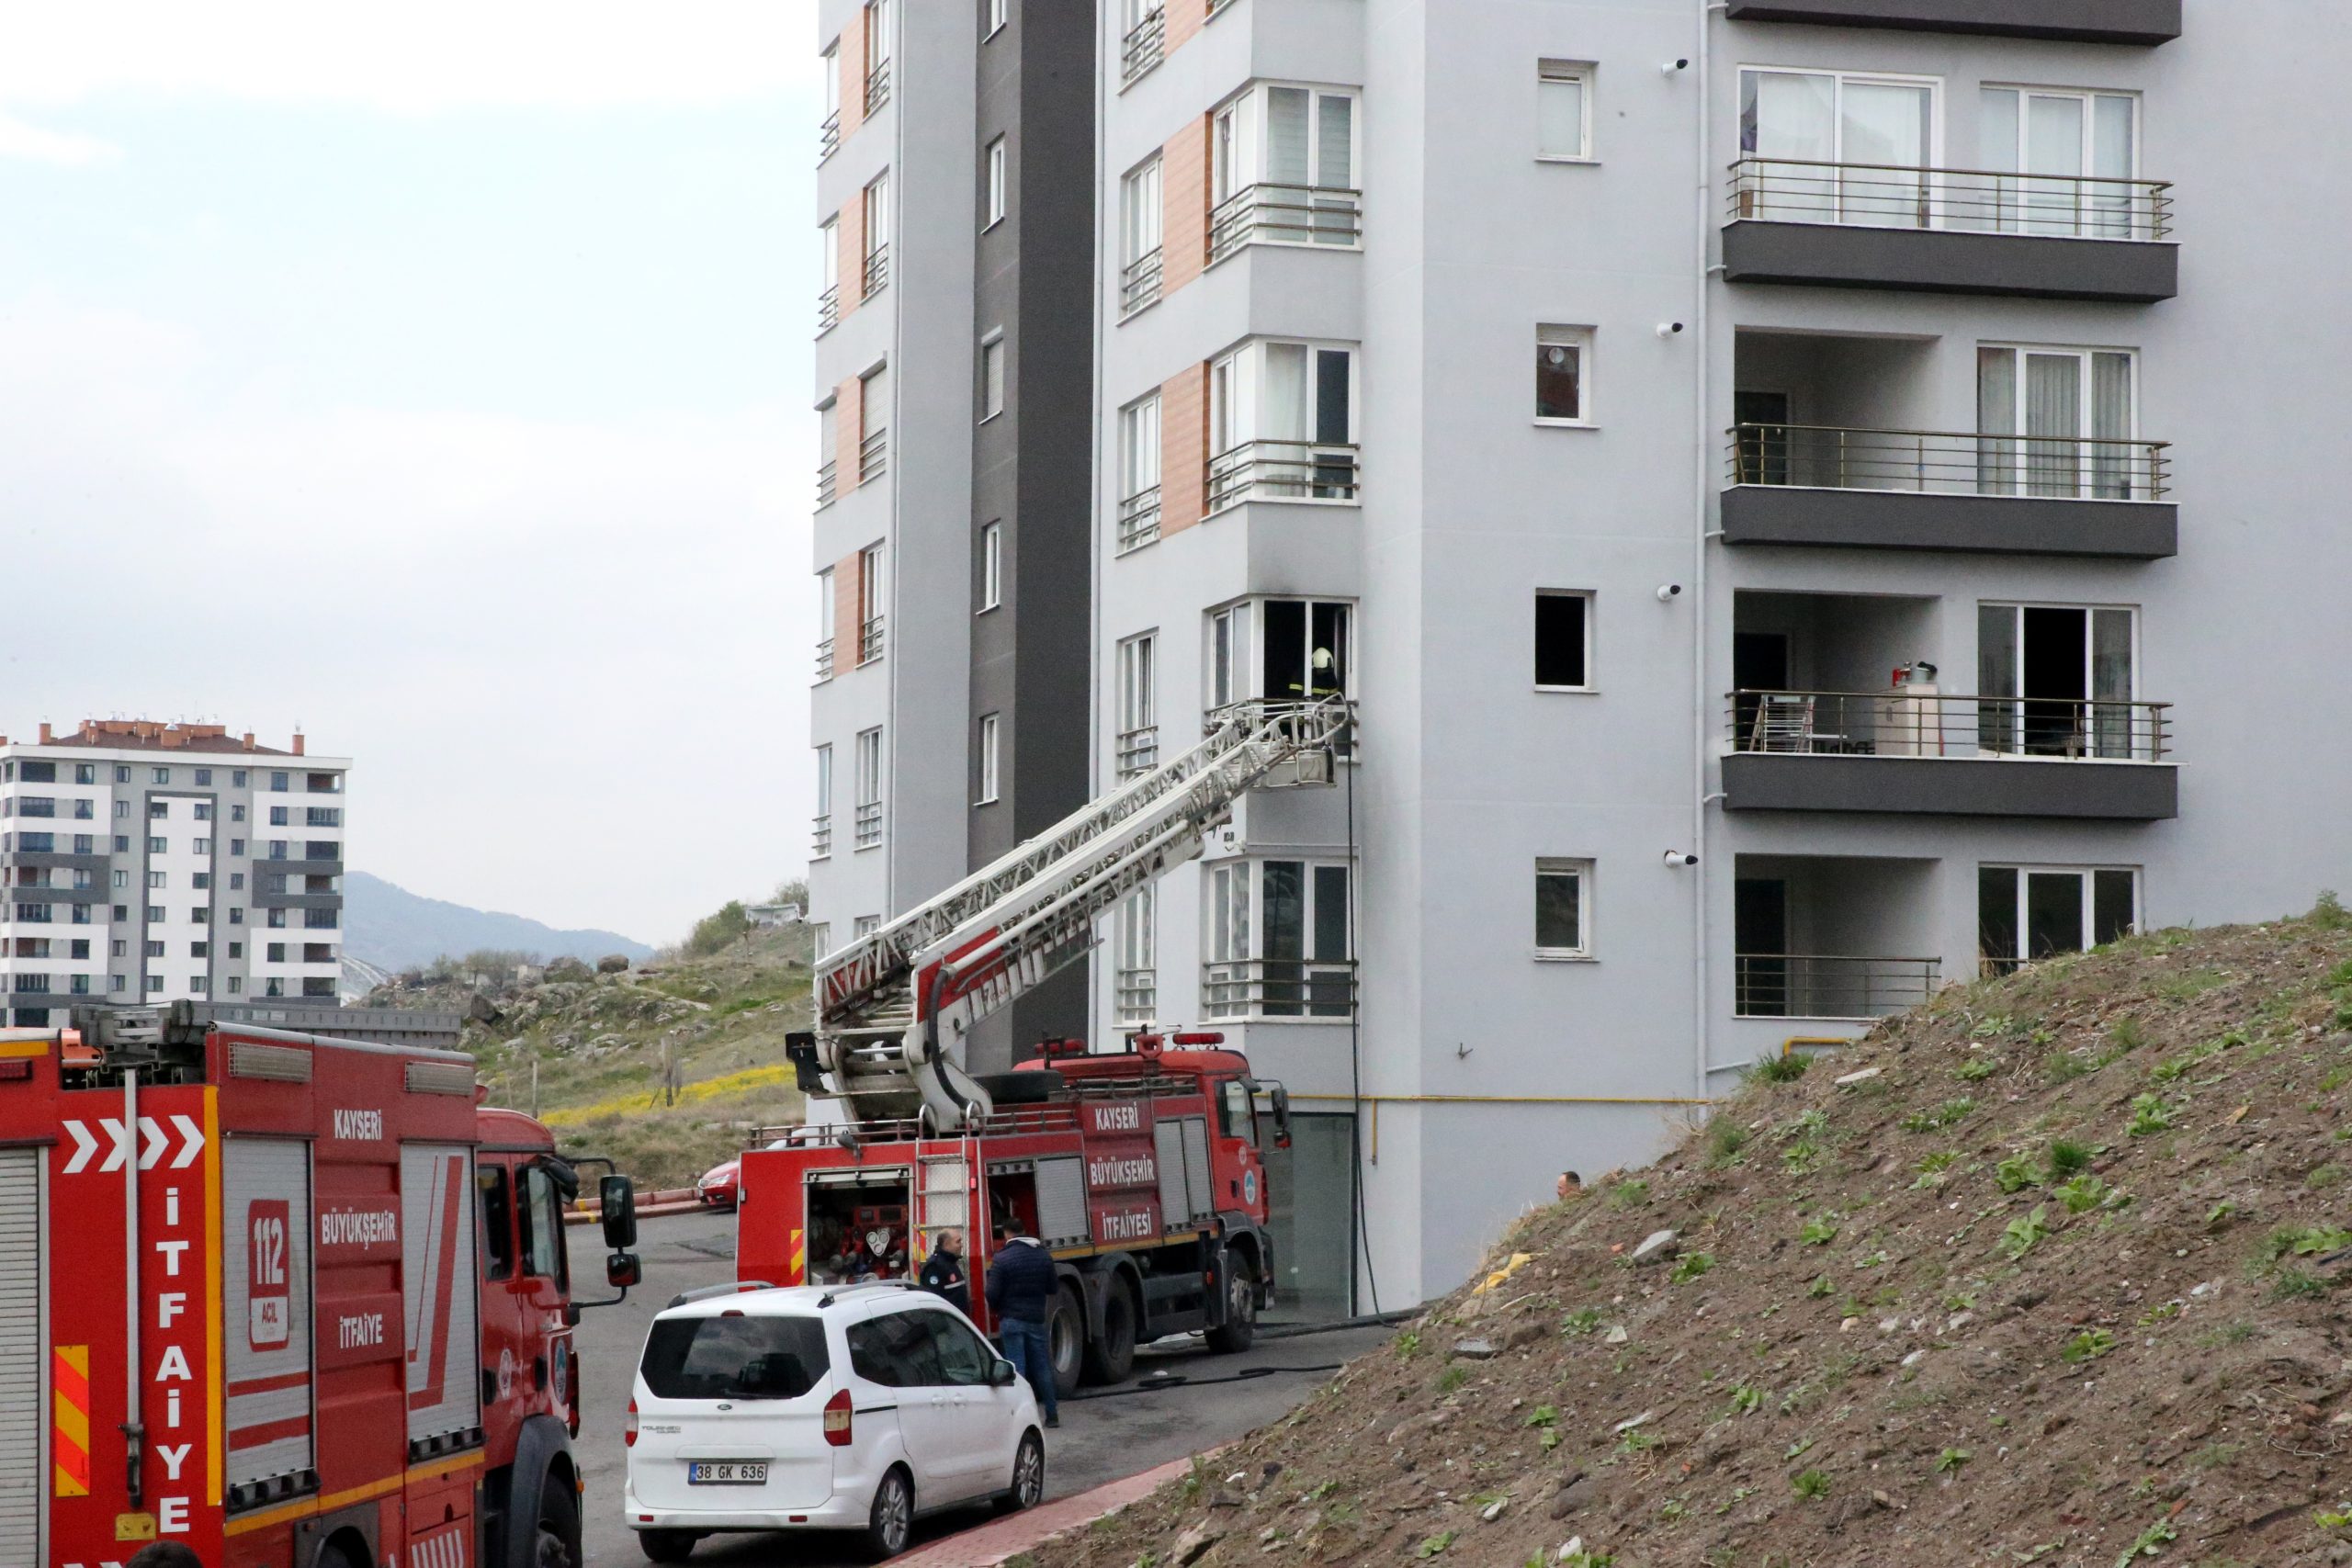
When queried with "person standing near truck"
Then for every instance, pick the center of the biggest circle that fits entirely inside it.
(943, 1271)
(1022, 1284)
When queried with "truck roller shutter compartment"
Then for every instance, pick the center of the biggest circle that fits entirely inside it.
(437, 1262)
(24, 1457)
(265, 1291)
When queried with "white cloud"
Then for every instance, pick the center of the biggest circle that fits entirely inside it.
(417, 57)
(19, 139)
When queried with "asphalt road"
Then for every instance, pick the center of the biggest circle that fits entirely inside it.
(1100, 1438)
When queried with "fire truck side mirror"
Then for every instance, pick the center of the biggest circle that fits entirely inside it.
(617, 1199)
(622, 1271)
(1281, 1098)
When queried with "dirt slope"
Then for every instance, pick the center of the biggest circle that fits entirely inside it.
(2059, 1281)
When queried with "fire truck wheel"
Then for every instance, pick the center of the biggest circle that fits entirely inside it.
(1241, 1326)
(559, 1542)
(1113, 1357)
(667, 1546)
(1065, 1339)
(1028, 1475)
(891, 1521)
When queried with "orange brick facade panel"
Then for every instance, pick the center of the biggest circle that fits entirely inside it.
(849, 433)
(1184, 205)
(851, 54)
(849, 599)
(1183, 447)
(1186, 17)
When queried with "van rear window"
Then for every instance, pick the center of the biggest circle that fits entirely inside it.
(735, 1358)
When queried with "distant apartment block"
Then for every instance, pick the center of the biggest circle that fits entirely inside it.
(143, 863)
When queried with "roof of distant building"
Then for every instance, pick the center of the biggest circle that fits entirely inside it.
(147, 735)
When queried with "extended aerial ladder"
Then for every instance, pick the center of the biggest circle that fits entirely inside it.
(895, 1006)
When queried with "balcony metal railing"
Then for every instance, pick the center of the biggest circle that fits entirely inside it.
(876, 271)
(1138, 751)
(820, 835)
(1138, 995)
(2065, 468)
(1139, 282)
(829, 136)
(1139, 519)
(828, 310)
(1889, 196)
(873, 455)
(1217, 6)
(1774, 985)
(825, 483)
(1279, 987)
(824, 658)
(1903, 723)
(869, 640)
(878, 86)
(1144, 47)
(869, 823)
(1282, 470)
(1284, 214)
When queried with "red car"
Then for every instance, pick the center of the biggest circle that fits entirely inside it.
(720, 1185)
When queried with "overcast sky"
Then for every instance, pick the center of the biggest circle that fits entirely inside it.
(435, 376)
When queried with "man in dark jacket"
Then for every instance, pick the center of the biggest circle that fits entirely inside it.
(943, 1271)
(1021, 1286)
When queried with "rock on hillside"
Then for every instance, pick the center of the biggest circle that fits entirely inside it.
(2051, 1271)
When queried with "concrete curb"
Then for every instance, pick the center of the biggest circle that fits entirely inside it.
(990, 1545)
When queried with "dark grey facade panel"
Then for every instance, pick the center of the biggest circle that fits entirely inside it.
(1927, 520)
(1953, 786)
(57, 860)
(2147, 22)
(1951, 261)
(262, 900)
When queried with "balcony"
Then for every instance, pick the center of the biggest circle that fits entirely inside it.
(876, 271)
(1282, 470)
(1139, 519)
(1811, 935)
(820, 837)
(829, 136)
(1144, 48)
(1285, 215)
(873, 457)
(869, 641)
(1139, 283)
(1914, 752)
(2148, 22)
(828, 310)
(877, 87)
(824, 658)
(1241, 989)
(869, 824)
(1839, 988)
(1917, 490)
(826, 484)
(1138, 752)
(1950, 231)
(1138, 997)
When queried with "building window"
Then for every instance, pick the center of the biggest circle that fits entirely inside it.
(1139, 473)
(157, 879)
(1282, 423)
(1281, 170)
(869, 603)
(991, 565)
(86, 810)
(869, 789)
(154, 949)
(203, 778)
(236, 848)
(1563, 362)
(1139, 253)
(1302, 650)
(877, 260)
(2029, 912)
(1563, 640)
(2059, 422)
(162, 775)
(1793, 123)
(278, 816)
(273, 952)
(236, 814)
(1136, 944)
(2058, 681)
(820, 845)
(991, 376)
(236, 984)
(237, 778)
(1138, 738)
(987, 759)
(1564, 111)
(1276, 943)
(159, 810)
(2064, 135)
(994, 211)
(199, 950)
(829, 278)
(1563, 909)
(85, 773)
(821, 938)
(122, 809)
(155, 985)
(201, 881)
(865, 925)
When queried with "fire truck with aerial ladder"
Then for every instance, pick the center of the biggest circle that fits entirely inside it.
(291, 1299)
(1140, 1170)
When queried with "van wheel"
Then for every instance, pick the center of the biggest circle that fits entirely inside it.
(1241, 1326)
(1113, 1357)
(667, 1546)
(891, 1523)
(1065, 1339)
(1028, 1488)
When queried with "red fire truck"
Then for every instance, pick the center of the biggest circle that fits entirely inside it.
(292, 1300)
(1139, 1169)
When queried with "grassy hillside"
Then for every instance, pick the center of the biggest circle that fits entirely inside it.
(2050, 1271)
(597, 1043)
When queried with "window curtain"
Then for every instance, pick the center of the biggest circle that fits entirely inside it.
(2053, 423)
(1788, 116)
(1996, 678)
(2111, 712)
(2114, 464)
(1996, 420)
(1334, 218)
(1883, 134)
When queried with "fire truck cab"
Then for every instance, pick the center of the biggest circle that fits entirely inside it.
(295, 1300)
(1140, 1171)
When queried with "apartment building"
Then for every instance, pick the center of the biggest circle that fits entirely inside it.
(953, 527)
(143, 863)
(1813, 500)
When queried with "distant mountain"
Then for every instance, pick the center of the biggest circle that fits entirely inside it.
(393, 929)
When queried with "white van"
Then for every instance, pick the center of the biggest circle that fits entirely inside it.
(845, 1407)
